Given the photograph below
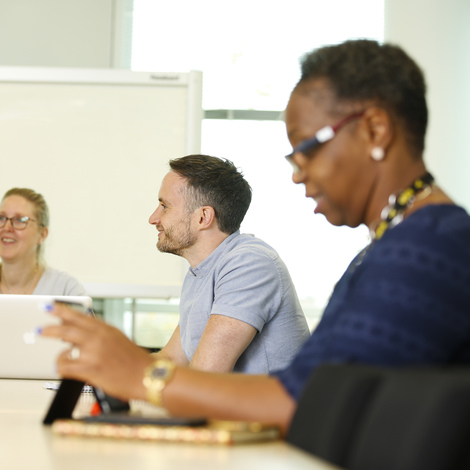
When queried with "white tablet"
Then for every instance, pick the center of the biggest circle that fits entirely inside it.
(23, 353)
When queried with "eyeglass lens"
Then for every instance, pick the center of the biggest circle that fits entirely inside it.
(18, 223)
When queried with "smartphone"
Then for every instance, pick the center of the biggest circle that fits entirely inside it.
(109, 404)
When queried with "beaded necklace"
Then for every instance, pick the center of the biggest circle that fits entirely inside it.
(392, 214)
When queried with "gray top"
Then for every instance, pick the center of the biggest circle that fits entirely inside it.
(54, 282)
(245, 279)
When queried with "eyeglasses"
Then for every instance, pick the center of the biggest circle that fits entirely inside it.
(18, 223)
(323, 135)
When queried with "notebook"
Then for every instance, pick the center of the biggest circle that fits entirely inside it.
(23, 353)
(214, 432)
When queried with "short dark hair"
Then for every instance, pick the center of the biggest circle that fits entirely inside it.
(364, 70)
(217, 183)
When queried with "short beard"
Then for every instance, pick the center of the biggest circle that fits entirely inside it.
(176, 243)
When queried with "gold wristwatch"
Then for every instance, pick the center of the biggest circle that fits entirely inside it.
(156, 376)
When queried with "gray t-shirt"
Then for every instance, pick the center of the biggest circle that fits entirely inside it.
(245, 279)
(54, 282)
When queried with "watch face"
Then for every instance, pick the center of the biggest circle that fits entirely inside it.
(158, 372)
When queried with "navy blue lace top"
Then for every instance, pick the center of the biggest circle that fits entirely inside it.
(405, 300)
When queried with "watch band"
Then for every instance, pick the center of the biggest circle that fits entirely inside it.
(156, 376)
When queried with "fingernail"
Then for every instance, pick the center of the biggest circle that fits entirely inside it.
(38, 330)
(47, 307)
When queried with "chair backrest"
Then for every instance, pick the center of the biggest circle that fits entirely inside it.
(330, 407)
(417, 419)
(369, 418)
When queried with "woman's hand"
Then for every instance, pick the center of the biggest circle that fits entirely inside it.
(101, 355)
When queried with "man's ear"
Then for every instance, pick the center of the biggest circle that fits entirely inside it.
(206, 217)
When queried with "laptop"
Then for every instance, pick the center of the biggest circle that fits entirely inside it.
(23, 353)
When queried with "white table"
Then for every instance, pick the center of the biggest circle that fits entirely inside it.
(26, 444)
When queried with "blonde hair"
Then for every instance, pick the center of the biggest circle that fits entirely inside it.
(41, 209)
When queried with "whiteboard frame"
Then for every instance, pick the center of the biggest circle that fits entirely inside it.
(192, 81)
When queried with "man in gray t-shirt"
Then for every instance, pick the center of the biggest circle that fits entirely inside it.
(239, 310)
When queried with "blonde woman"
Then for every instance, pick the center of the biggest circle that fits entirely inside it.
(24, 226)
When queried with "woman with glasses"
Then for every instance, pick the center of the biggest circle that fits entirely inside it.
(357, 122)
(24, 222)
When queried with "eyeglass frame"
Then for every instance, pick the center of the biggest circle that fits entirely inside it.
(17, 219)
(323, 135)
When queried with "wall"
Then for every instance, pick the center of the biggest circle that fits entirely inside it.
(64, 33)
(436, 34)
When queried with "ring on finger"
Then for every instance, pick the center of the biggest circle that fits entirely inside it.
(74, 353)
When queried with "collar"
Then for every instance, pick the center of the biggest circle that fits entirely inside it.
(205, 266)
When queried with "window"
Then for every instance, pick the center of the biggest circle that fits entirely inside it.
(248, 50)
(249, 53)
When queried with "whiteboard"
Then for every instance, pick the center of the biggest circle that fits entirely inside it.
(96, 144)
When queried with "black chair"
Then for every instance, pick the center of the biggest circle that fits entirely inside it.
(331, 405)
(418, 419)
(371, 418)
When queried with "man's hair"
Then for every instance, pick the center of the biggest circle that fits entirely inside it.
(217, 183)
(364, 70)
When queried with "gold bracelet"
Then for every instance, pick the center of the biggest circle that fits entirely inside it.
(156, 376)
